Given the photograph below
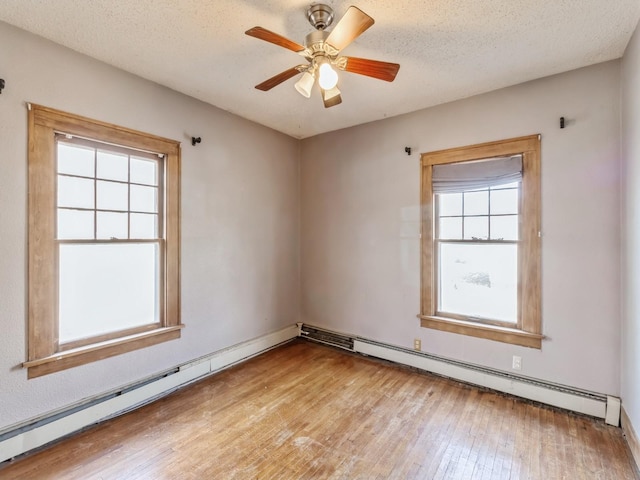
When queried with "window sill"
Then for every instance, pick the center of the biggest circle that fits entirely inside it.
(489, 332)
(98, 351)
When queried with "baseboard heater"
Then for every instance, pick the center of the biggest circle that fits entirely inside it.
(19, 439)
(37, 432)
(327, 337)
(581, 401)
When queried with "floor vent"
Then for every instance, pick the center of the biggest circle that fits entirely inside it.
(327, 337)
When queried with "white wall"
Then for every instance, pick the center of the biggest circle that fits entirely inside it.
(360, 224)
(630, 361)
(240, 219)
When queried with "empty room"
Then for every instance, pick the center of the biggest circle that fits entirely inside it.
(332, 240)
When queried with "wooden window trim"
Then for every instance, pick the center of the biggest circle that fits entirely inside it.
(100, 350)
(44, 354)
(528, 331)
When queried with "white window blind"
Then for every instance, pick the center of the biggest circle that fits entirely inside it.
(465, 176)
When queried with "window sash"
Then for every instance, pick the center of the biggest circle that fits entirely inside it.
(115, 333)
(439, 311)
(98, 146)
(463, 215)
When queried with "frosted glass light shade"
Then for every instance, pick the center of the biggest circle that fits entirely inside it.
(331, 97)
(329, 94)
(328, 77)
(305, 84)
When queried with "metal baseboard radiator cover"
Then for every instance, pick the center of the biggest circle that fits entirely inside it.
(491, 371)
(581, 401)
(327, 337)
(34, 433)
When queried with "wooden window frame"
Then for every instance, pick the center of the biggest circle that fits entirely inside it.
(45, 355)
(528, 330)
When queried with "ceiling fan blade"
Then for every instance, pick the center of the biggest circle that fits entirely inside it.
(371, 68)
(271, 37)
(350, 27)
(331, 97)
(278, 79)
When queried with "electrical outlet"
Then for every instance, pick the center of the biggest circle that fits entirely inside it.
(417, 344)
(517, 363)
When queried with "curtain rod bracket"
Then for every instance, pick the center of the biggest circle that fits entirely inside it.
(195, 140)
(1, 84)
(407, 150)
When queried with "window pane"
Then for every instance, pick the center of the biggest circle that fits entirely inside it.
(75, 160)
(478, 280)
(113, 166)
(144, 225)
(504, 201)
(112, 225)
(75, 192)
(106, 288)
(449, 204)
(75, 224)
(144, 171)
(144, 199)
(476, 227)
(505, 227)
(451, 228)
(112, 196)
(476, 203)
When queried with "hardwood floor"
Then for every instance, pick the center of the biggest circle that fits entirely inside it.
(308, 411)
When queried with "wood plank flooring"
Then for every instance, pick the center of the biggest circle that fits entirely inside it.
(308, 411)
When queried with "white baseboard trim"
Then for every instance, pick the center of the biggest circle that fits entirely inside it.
(588, 403)
(631, 436)
(36, 433)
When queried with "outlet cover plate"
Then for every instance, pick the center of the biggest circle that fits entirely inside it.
(516, 364)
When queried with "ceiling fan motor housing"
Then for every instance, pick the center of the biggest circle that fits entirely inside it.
(320, 16)
(315, 37)
(317, 50)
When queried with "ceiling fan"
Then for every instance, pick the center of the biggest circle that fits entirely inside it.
(322, 51)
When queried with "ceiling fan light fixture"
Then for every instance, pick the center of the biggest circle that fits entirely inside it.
(327, 76)
(305, 84)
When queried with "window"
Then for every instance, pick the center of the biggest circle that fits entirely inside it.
(476, 249)
(480, 241)
(103, 240)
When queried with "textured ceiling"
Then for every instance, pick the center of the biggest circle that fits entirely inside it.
(447, 49)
